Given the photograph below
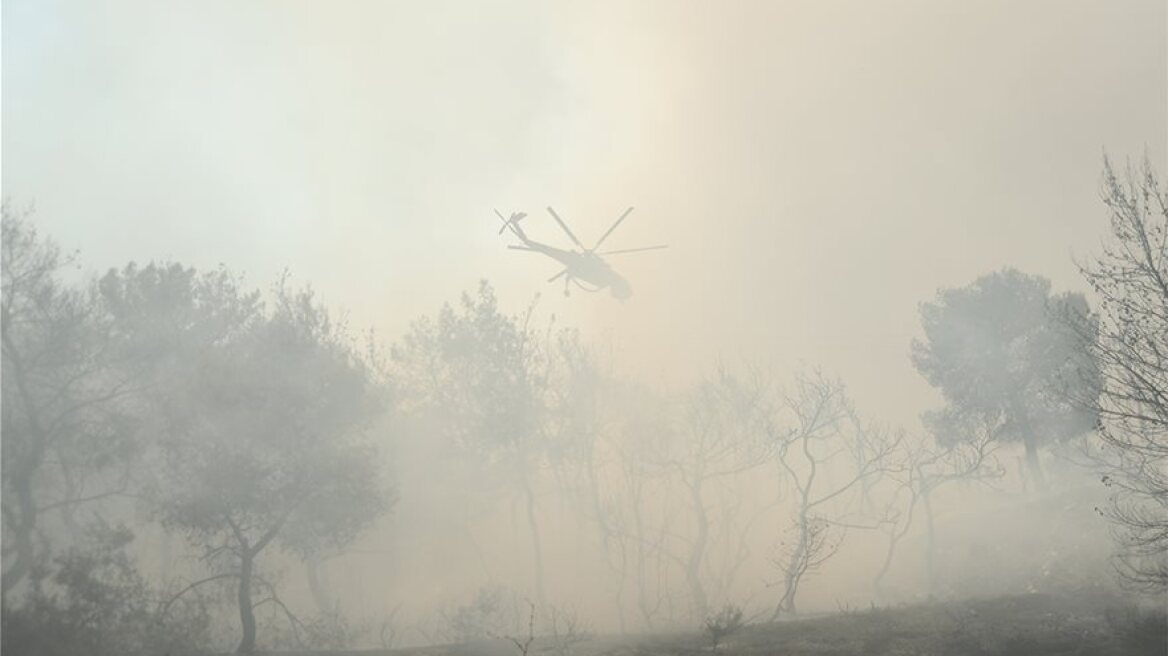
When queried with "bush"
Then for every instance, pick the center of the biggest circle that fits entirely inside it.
(723, 624)
(96, 603)
(493, 611)
(1139, 630)
(330, 631)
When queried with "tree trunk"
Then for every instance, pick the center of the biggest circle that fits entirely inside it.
(794, 571)
(246, 611)
(23, 478)
(878, 580)
(620, 570)
(536, 544)
(647, 612)
(22, 533)
(165, 555)
(930, 544)
(894, 538)
(1034, 465)
(316, 585)
(693, 570)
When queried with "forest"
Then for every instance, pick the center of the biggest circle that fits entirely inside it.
(192, 464)
(605, 328)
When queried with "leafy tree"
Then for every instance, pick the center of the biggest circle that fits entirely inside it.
(96, 602)
(1000, 353)
(67, 439)
(495, 387)
(265, 442)
(1131, 347)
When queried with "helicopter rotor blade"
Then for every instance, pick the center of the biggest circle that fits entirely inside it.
(511, 224)
(506, 223)
(565, 227)
(558, 275)
(611, 228)
(635, 250)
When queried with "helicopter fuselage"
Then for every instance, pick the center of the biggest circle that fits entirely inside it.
(583, 266)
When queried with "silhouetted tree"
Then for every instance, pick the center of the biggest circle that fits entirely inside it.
(1131, 347)
(485, 379)
(921, 470)
(95, 602)
(720, 435)
(67, 439)
(625, 478)
(163, 316)
(826, 455)
(266, 444)
(998, 351)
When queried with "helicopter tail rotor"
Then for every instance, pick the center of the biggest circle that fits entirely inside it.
(511, 223)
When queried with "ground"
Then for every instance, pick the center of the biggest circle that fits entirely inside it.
(1029, 625)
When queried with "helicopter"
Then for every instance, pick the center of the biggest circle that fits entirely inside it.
(586, 268)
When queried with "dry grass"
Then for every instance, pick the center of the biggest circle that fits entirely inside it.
(1028, 625)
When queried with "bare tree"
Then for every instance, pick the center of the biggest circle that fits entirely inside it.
(565, 630)
(613, 499)
(1130, 346)
(648, 533)
(622, 477)
(522, 641)
(723, 624)
(719, 438)
(822, 436)
(924, 468)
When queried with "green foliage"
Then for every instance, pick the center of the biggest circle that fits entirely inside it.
(477, 369)
(262, 414)
(493, 611)
(495, 384)
(1003, 355)
(724, 624)
(269, 433)
(96, 603)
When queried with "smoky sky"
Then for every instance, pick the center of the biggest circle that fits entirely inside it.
(817, 168)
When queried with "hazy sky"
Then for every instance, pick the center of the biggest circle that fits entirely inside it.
(818, 168)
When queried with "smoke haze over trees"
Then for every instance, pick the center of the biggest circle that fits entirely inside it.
(273, 382)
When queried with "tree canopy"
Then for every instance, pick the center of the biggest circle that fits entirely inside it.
(1001, 352)
(1131, 279)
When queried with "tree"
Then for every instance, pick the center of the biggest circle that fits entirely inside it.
(163, 316)
(487, 381)
(826, 455)
(1131, 347)
(625, 478)
(923, 469)
(1000, 354)
(720, 437)
(66, 439)
(95, 602)
(723, 624)
(265, 444)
